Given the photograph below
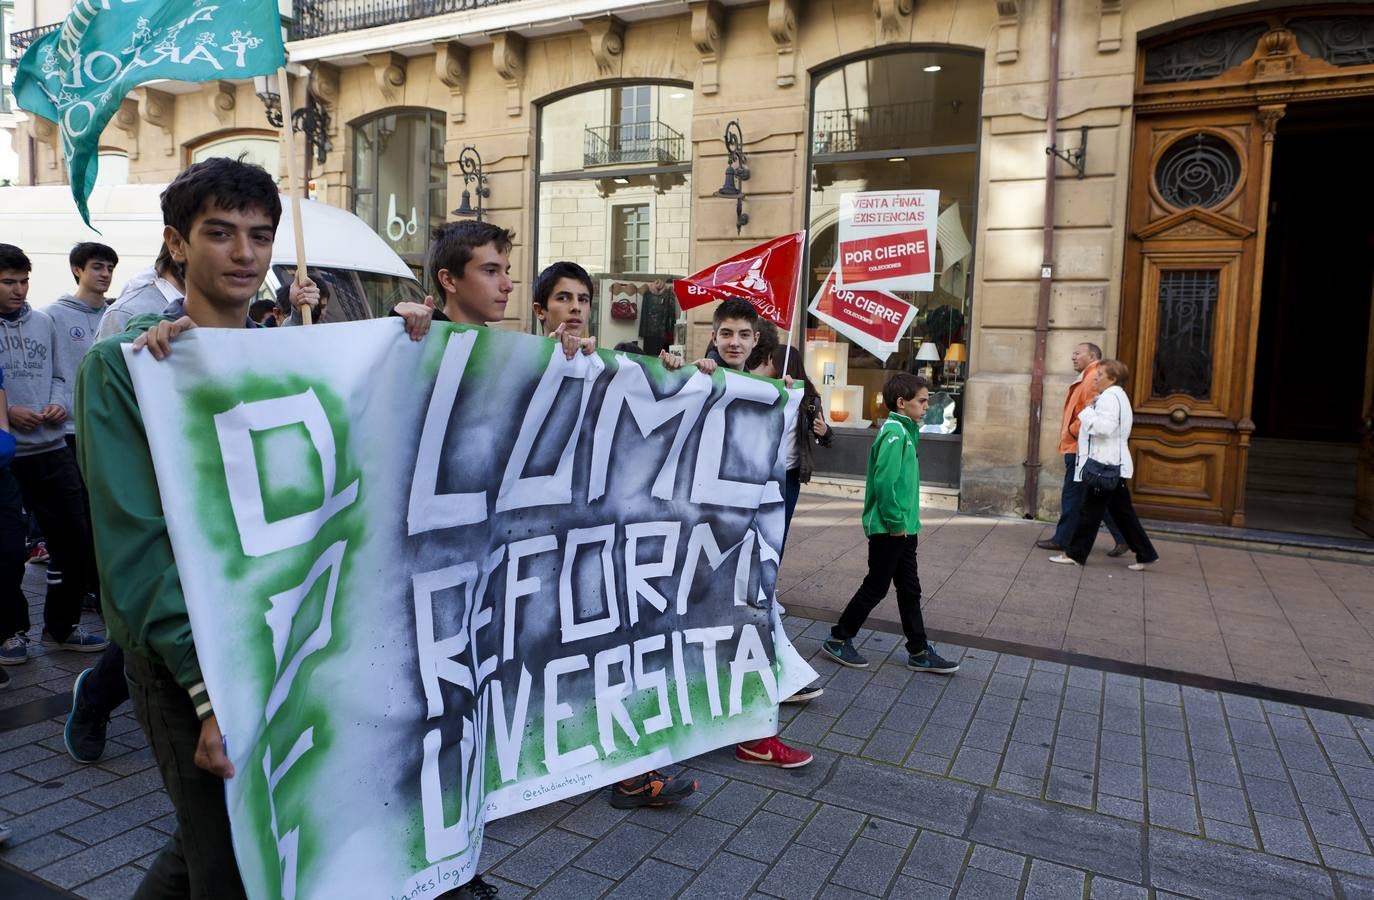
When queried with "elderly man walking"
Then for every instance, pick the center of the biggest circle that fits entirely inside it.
(1081, 393)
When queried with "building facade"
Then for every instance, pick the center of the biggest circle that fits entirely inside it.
(600, 130)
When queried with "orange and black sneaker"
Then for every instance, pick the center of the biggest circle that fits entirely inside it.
(653, 788)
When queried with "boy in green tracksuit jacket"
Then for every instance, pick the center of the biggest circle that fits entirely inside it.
(892, 517)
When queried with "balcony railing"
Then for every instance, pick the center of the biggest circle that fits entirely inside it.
(873, 127)
(316, 18)
(20, 40)
(655, 143)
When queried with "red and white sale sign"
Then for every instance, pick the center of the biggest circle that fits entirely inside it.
(887, 240)
(875, 320)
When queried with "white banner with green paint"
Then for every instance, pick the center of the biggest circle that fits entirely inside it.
(433, 584)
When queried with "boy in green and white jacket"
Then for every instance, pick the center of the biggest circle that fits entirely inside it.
(892, 517)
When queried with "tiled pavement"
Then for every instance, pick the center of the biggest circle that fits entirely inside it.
(1286, 622)
(1015, 778)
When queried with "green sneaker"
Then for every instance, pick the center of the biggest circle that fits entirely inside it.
(843, 652)
(930, 661)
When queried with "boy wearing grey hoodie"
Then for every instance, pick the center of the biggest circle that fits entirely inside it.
(77, 315)
(44, 465)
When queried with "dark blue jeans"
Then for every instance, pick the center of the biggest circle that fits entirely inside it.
(14, 606)
(1071, 501)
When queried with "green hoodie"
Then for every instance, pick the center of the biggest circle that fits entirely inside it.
(892, 488)
(145, 610)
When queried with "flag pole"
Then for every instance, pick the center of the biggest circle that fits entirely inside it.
(294, 185)
(796, 306)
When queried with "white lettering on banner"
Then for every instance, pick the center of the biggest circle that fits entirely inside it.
(707, 485)
(708, 638)
(428, 508)
(750, 657)
(287, 844)
(610, 698)
(654, 680)
(569, 626)
(281, 618)
(235, 428)
(439, 657)
(517, 587)
(624, 394)
(519, 491)
(637, 574)
(557, 761)
(510, 734)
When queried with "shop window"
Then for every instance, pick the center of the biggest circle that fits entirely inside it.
(614, 194)
(259, 149)
(898, 121)
(400, 180)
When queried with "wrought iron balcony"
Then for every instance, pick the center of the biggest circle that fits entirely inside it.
(655, 143)
(875, 127)
(20, 40)
(316, 18)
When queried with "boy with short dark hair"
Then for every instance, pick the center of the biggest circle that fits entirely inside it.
(220, 220)
(31, 354)
(149, 291)
(470, 264)
(891, 520)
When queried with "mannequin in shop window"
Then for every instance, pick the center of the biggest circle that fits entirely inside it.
(657, 316)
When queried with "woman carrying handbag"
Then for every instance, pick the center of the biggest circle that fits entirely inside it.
(1104, 465)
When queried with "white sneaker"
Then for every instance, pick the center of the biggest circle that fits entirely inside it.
(1139, 567)
(1062, 560)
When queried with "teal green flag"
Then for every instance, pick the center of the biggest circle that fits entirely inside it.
(77, 76)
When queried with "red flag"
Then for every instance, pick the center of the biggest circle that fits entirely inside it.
(766, 276)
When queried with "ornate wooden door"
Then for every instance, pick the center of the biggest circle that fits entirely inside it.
(1208, 101)
(1198, 192)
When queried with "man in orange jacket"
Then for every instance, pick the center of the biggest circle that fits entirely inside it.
(1081, 393)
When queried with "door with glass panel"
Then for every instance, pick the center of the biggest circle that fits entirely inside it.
(1191, 307)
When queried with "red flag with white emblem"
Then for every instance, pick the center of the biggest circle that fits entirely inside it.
(767, 276)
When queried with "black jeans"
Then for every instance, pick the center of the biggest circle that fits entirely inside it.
(14, 606)
(1118, 502)
(198, 860)
(889, 559)
(1071, 501)
(106, 688)
(51, 486)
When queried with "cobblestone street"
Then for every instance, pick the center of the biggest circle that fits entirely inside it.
(1019, 777)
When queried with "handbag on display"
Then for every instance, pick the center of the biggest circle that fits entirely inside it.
(1098, 475)
(624, 310)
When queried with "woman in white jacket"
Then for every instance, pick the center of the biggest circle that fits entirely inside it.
(1105, 431)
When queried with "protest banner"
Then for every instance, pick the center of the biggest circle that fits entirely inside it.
(875, 320)
(767, 276)
(78, 75)
(887, 240)
(435, 584)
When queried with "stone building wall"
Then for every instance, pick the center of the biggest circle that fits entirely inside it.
(755, 64)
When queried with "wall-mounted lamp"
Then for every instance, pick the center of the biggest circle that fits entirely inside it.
(736, 172)
(471, 164)
(1077, 157)
(311, 121)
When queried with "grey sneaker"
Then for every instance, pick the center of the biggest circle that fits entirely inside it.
(930, 661)
(14, 650)
(843, 652)
(810, 692)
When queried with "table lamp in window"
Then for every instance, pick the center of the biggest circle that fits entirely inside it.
(928, 353)
(956, 355)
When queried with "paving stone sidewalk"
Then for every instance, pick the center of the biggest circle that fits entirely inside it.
(1015, 778)
(1286, 622)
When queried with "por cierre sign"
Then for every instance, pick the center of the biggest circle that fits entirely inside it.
(885, 256)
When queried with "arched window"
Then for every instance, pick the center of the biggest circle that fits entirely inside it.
(614, 183)
(905, 120)
(400, 181)
(257, 147)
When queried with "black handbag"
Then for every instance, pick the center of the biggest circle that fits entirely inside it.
(1098, 475)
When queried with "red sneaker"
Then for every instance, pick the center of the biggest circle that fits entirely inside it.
(771, 752)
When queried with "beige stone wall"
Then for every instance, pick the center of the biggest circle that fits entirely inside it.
(749, 64)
